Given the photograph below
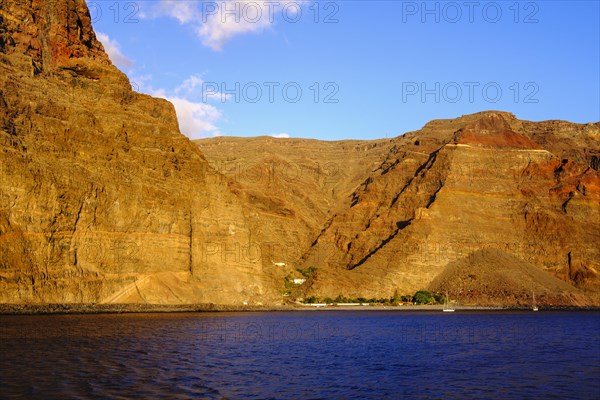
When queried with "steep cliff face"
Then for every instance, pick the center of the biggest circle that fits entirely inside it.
(490, 182)
(289, 188)
(51, 35)
(101, 198)
(468, 205)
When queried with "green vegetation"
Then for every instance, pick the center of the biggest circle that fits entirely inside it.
(420, 297)
(308, 272)
(344, 299)
(423, 297)
(311, 300)
(439, 298)
(288, 281)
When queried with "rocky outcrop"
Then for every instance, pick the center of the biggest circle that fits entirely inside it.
(101, 198)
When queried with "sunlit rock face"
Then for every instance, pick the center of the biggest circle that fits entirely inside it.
(484, 192)
(481, 182)
(101, 198)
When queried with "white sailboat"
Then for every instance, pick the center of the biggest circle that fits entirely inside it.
(534, 307)
(447, 307)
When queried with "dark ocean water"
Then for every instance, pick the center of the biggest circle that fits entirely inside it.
(296, 355)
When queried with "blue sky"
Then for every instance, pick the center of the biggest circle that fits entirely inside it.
(355, 69)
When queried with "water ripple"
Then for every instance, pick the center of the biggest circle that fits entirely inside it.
(337, 355)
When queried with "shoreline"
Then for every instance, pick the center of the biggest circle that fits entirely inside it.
(61, 309)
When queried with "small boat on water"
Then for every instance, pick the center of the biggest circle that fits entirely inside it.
(447, 307)
(534, 307)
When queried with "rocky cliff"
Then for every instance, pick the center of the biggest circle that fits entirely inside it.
(289, 188)
(485, 193)
(101, 198)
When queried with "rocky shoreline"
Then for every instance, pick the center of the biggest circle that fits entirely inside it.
(49, 309)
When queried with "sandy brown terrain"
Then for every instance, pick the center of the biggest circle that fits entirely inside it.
(428, 200)
(104, 201)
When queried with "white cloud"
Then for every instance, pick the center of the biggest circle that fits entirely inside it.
(249, 16)
(183, 11)
(281, 135)
(113, 50)
(220, 27)
(194, 87)
(190, 85)
(217, 22)
(139, 83)
(196, 119)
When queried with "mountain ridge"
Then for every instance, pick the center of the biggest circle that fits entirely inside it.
(398, 193)
(103, 200)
